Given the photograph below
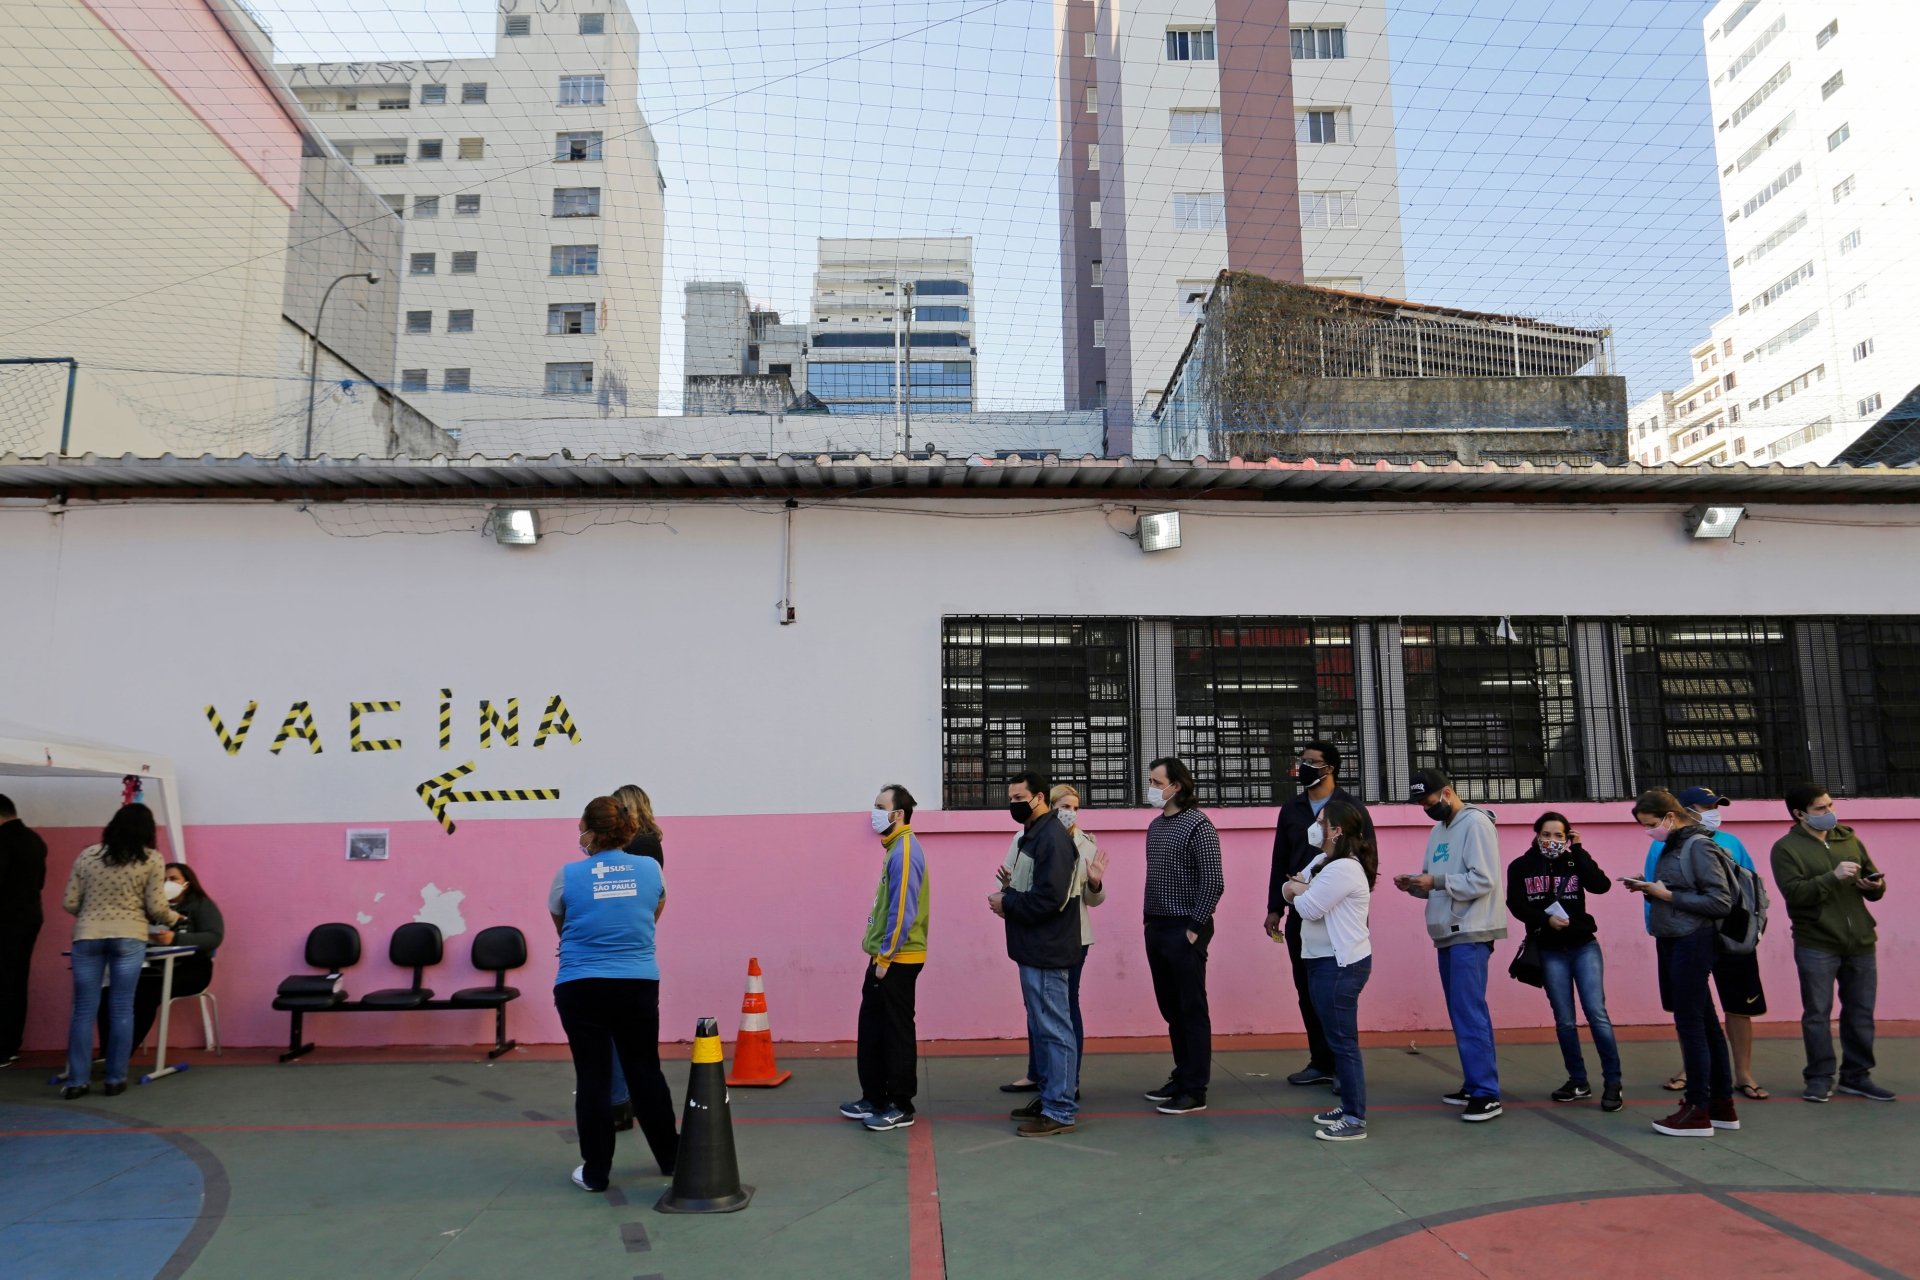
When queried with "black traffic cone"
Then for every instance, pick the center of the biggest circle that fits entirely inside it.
(706, 1177)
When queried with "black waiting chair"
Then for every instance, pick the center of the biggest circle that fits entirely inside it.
(496, 950)
(334, 948)
(415, 946)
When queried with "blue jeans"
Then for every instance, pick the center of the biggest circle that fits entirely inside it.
(119, 960)
(1580, 968)
(1687, 965)
(1859, 979)
(1079, 1027)
(1463, 981)
(1050, 1030)
(1335, 989)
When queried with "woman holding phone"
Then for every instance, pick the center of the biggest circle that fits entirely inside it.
(1332, 897)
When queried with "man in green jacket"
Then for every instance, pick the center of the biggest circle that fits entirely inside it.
(1827, 879)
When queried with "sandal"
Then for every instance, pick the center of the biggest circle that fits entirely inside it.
(1676, 1083)
(1755, 1092)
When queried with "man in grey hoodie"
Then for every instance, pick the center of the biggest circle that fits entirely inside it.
(1466, 915)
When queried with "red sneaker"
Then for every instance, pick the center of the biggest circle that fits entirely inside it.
(1688, 1122)
(1721, 1115)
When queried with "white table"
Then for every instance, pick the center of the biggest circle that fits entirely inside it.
(166, 956)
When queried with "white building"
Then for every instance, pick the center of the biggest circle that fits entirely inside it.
(881, 304)
(729, 339)
(1195, 136)
(535, 211)
(1703, 421)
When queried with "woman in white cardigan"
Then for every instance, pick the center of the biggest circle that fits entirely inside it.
(1332, 897)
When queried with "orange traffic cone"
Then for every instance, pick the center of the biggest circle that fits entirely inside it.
(753, 1062)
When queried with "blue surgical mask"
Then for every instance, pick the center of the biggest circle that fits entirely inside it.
(882, 821)
(1822, 821)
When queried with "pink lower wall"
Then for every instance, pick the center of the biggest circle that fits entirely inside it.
(794, 890)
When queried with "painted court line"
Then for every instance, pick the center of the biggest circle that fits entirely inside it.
(926, 1247)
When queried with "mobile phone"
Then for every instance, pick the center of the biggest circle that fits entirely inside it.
(1630, 881)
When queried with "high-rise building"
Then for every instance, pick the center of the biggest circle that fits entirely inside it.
(534, 209)
(1198, 136)
(1817, 178)
(883, 304)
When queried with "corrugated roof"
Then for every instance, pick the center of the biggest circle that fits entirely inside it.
(630, 478)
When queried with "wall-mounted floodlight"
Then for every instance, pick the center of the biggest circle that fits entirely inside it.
(514, 526)
(1713, 522)
(1160, 531)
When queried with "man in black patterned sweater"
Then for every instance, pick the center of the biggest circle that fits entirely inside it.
(1184, 884)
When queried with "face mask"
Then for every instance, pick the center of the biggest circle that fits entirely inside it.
(1315, 834)
(1553, 848)
(1710, 819)
(1156, 798)
(1308, 775)
(174, 889)
(882, 822)
(1439, 810)
(1022, 811)
(1822, 821)
(1066, 817)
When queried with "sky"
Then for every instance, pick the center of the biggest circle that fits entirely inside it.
(1556, 156)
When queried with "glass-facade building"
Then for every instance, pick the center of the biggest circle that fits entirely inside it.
(888, 311)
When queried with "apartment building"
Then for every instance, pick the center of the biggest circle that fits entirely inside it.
(891, 330)
(534, 207)
(1197, 136)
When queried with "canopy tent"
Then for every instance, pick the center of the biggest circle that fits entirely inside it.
(34, 753)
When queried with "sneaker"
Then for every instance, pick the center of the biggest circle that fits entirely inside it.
(1817, 1091)
(580, 1179)
(1165, 1093)
(1311, 1074)
(859, 1109)
(1868, 1089)
(1479, 1109)
(1043, 1126)
(1345, 1131)
(1688, 1122)
(8, 1059)
(1184, 1104)
(891, 1118)
(623, 1116)
(1610, 1099)
(1572, 1091)
(1328, 1119)
(1028, 1112)
(1458, 1098)
(1721, 1115)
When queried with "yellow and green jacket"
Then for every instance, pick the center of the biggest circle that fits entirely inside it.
(897, 929)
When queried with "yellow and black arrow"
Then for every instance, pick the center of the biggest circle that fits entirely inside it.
(438, 793)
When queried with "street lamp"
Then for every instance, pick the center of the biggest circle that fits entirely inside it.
(313, 369)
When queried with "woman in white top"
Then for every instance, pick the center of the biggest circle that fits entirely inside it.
(1089, 874)
(1332, 897)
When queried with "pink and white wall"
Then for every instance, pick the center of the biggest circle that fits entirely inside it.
(763, 744)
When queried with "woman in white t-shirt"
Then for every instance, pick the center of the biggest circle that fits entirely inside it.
(1332, 897)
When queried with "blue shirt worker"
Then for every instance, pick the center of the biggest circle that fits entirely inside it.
(887, 1053)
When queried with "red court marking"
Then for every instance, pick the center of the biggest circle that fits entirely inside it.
(1623, 1238)
(362, 1126)
(1883, 1228)
(926, 1247)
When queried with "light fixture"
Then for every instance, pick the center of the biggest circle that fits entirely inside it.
(1713, 522)
(514, 526)
(1159, 532)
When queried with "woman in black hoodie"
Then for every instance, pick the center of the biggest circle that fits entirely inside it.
(1547, 889)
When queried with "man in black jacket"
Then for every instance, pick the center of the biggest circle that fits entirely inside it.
(1317, 770)
(23, 870)
(1043, 938)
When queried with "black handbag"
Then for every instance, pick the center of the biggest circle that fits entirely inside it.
(1526, 964)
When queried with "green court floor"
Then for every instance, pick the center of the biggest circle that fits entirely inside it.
(460, 1169)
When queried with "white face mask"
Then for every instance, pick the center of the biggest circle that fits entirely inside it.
(1065, 816)
(882, 822)
(1710, 819)
(1315, 834)
(174, 889)
(1156, 798)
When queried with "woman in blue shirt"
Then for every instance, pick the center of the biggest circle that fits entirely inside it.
(608, 988)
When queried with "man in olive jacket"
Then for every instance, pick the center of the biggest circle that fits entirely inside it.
(1827, 878)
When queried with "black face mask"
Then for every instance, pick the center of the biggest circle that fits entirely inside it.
(1439, 810)
(1022, 811)
(1308, 775)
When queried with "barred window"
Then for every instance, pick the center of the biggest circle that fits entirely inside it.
(1492, 702)
(1714, 702)
(1880, 672)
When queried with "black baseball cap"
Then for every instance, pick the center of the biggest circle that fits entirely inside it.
(1702, 798)
(1427, 782)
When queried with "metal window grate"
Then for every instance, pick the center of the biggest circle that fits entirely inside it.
(1492, 701)
(1880, 670)
(1714, 702)
(1052, 694)
(1248, 692)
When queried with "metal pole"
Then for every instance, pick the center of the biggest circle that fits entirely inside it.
(66, 418)
(907, 400)
(313, 366)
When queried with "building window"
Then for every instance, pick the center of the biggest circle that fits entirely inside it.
(1778, 289)
(575, 260)
(940, 315)
(419, 322)
(583, 91)
(1752, 51)
(1199, 211)
(413, 379)
(1787, 390)
(593, 24)
(419, 264)
(1193, 128)
(943, 288)
(1839, 136)
(1832, 86)
(1843, 189)
(466, 206)
(1827, 33)
(1093, 215)
(466, 262)
(1491, 701)
(473, 148)
(1325, 126)
(1760, 95)
(1099, 333)
(1318, 42)
(1880, 674)
(1850, 241)
(389, 157)
(432, 94)
(1093, 157)
(473, 93)
(1739, 445)
(456, 379)
(1715, 701)
(571, 317)
(570, 378)
(577, 146)
(398, 204)
(396, 104)
(1093, 98)
(1870, 405)
(1191, 44)
(431, 148)
(426, 206)
(1328, 209)
(519, 26)
(1854, 297)
(1861, 350)
(1098, 273)
(1760, 148)
(460, 322)
(1086, 44)
(1759, 198)
(576, 202)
